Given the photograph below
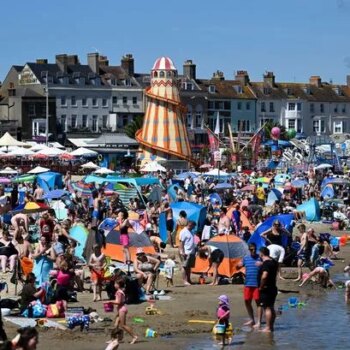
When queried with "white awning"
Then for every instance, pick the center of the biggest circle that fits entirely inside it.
(80, 142)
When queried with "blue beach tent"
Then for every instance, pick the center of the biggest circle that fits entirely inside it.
(50, 181)
(284, 219)
(312, 210)
(327, 192)
(273, 196)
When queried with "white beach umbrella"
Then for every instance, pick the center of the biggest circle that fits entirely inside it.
(323, 166)
(20, 152)
(89, 165)
(82, 151)
(38, 170)
(51, 151)
(8, 171)
(152, 167)
(215, 172)
(104, 171)
(38, 147)
(8, 140)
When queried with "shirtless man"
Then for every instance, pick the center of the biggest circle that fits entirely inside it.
(97, 266)
(302, 252)
(20, 220)
(38, 193)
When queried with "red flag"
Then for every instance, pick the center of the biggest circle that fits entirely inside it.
(213, 141)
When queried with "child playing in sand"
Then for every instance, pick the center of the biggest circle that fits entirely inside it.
(116, 336)
(122, 310)
(169, 266)
(223, 315)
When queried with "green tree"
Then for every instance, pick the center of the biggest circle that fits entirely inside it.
(135, 125)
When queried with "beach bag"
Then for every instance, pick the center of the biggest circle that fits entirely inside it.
(55, 310)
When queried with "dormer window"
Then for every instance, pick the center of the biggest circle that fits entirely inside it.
(212, 89)
(307, 90)
(187, 86)
(266, 90)
(238, 89)
(338, 91)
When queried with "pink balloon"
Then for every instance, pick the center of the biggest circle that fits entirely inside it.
(276, 132)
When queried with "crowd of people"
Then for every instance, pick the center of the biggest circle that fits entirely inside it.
(40, 247)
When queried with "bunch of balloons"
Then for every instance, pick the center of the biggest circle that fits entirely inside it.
(275, 133)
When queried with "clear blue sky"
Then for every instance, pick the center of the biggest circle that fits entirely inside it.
(295, 39)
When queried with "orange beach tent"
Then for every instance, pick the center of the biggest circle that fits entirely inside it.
(234, 250)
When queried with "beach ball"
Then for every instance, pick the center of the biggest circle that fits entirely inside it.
(291, 133)
(343, 240)
(275, 132)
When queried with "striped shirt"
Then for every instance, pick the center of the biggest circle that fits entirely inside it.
(251, 270)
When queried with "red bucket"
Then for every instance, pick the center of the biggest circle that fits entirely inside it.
(109, 307)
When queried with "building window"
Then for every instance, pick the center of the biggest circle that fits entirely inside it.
(84, 102)
(319, 126)
(271, 107)
(338, 127)
(322, 108)
(336, 109)
(73, 121)
(316, 127)
(212, 89)
(73, 101)
(125, 100)
(243, 125)
(94, 102)
(94, 123)
(344, 109)
(105, 121)
(262, 107)
(312, 108)
(198, 121)
(84, 121)
(247, 106)
(291, 124)
(114, 100)
(63, 101)
(189, 120)
(134, 100)
(291, 106)
(104, 102)
(227, 105)
(64, 122)
(239, 105)
(323, 126)
(299, 106)
(125, 120)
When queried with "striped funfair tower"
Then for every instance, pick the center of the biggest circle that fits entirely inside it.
(163, 136)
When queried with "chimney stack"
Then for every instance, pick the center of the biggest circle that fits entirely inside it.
(315, 80)
(41, 61)
(269, 79)
(218, 75)
(62, 62)
(127, 64)
(93, 62)
(72, 60)
(104, 61)
(189, 69)
(242, 76)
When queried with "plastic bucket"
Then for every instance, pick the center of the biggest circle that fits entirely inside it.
(150, 333)
(220, 329)
(108, 307)
(293, 302)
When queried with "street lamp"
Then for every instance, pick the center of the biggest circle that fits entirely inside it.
(47, 108)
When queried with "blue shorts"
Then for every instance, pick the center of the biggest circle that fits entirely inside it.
(95, 214)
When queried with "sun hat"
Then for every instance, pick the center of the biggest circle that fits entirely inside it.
(224, 299)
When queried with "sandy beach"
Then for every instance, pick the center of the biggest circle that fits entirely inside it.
(197, 302)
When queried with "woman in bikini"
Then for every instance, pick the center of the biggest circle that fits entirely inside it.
(124, 225)
(97, 266)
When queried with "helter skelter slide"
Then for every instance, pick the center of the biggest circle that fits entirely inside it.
(164, 135)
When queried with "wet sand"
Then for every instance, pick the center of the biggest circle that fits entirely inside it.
(196, 302)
